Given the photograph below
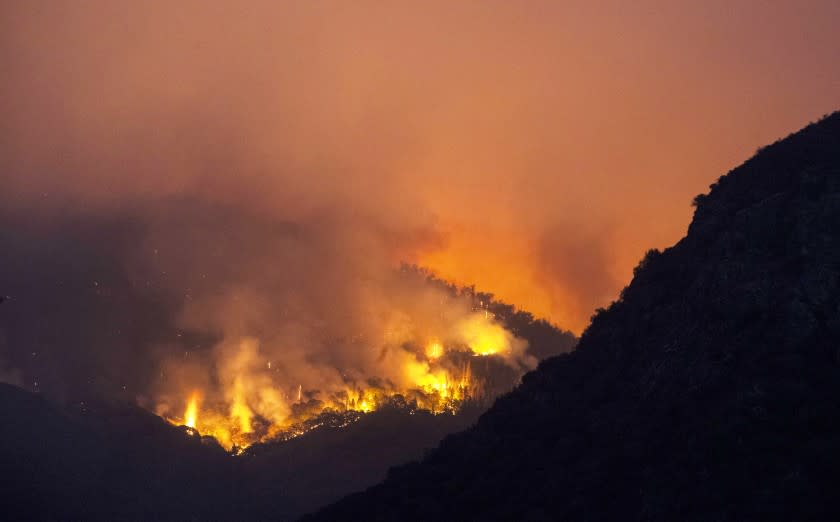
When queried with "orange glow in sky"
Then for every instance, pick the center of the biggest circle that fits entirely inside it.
(535, 149)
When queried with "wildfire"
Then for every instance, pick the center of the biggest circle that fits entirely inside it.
(239, 410)
(191, 413)
(253, 406)
(482, 336)
(434, 389)
(434, 349)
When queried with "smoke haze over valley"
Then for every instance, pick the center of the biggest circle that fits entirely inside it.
(259, 219)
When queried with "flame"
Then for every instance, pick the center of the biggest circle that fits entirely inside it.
(482, 336)
(251, 405)
(433, 388)
(434, 349)
(239, 410)
(191, 413)
(444, 390)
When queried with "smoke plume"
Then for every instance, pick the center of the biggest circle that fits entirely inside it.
(192, 192)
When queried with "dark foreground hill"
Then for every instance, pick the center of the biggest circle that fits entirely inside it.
(111, 461)
(709, 391)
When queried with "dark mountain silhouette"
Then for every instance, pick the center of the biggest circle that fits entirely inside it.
(709, 391)
(112, 461)
(98, 462)
(98, 459)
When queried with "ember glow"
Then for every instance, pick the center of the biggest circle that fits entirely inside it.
(482, 336)
(254, 405)
(434, 349)
(191, 412)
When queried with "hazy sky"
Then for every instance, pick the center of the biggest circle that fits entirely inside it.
(535, 149)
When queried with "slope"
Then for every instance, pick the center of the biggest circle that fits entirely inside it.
(709, 391)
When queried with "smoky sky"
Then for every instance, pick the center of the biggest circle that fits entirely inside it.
(188, 170)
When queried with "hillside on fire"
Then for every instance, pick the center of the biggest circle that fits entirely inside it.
(363, 260)
(710, 390)
(100, 457)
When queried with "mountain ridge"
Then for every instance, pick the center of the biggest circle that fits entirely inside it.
(708, 390)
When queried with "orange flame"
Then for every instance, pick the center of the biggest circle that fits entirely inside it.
(251, 406)
(191, 413)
